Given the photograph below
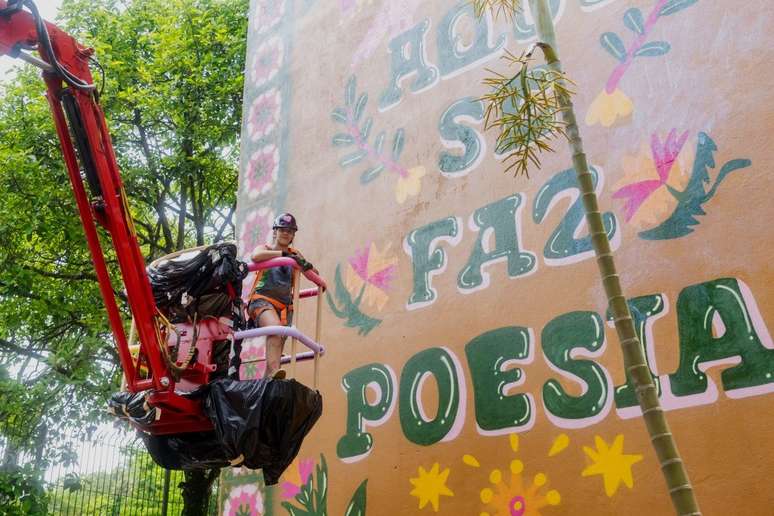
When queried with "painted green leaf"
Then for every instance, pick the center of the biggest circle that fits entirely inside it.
(360, 106)
(366, 130)
(379, 142)
(397, 144)
(339, 115)
(634, 21)
(371, 173)
(357, 506)
(611, 42)
(352, 159)
(673, 6)
(653, 49)
(349, 91)
(342, 139)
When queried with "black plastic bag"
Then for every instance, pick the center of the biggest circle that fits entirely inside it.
(262, 421)
(198, 284)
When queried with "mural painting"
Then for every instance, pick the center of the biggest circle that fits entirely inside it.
(472, 366)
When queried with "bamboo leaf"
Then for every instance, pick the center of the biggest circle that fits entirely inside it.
(379, 142)
(349, 91)
(371, 173)
(611, 42)
(339, 115)
(342, 139)
(673, 6)
(653, 49)
(397, 144)
(634, 21)
(366, 130)
(352, 159)
(357, 505)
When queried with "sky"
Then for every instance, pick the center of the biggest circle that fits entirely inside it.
(48, 9)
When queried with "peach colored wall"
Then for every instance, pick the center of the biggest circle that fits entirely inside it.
(470, 366)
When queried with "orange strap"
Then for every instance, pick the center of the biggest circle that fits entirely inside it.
(282, 308)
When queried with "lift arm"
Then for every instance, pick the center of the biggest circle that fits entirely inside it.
(94, 176)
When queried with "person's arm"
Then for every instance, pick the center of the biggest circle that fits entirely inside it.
(262, 253)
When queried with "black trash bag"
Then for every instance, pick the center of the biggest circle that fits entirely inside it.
(191, 451)
(132, 406)
(199, 284)
(263, 421)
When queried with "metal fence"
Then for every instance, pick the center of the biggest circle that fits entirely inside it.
(109, 475)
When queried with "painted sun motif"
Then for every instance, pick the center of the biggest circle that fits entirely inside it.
(612, 463)
(512, 492)
(429, 486)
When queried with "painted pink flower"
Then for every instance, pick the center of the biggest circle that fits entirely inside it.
(244, 500)
(267, 61)
(264, 114)
(664, 156)
(252, 350)
(261, 171)
(255, 229)
(374, 271)
(296, 476)
(268, 13)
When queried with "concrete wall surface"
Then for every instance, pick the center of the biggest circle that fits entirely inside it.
(471, 367)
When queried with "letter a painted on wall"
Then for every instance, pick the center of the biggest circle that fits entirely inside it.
(498, 230)
(356, 444)
(491, 356)
(407, 51)
(719, 320)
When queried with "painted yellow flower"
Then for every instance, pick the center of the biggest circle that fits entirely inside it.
(372, 270)
(429, 486)
(409, 183)
(612, 463)
(609, 107)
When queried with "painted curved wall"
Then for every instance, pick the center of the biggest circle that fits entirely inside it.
(471, 366)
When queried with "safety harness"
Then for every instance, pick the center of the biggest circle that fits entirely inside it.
(282, 308)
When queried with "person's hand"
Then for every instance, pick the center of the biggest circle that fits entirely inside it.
(305, 265)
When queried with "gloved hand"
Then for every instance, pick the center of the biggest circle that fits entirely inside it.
(305, 265)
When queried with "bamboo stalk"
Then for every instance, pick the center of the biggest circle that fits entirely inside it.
(672, 467)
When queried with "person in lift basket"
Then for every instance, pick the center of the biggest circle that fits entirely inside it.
(271, 297)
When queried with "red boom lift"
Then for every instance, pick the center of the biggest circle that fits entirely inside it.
(101, 199)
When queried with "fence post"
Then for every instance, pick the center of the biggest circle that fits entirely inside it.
(165, 496)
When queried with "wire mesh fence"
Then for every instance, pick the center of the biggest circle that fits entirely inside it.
(110, 474)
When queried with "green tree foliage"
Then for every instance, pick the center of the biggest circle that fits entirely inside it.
(172, 95)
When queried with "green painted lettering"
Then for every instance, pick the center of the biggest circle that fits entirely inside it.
(564, 338)
(427, 259)
(356, 444)
(719, 322)
(444, 367)
(455, 134)
(454, 56)
(491, 356)
(407, 51)
(497, 222)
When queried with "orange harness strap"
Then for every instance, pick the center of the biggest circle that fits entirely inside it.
(282, 308)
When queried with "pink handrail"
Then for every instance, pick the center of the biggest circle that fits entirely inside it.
(287, 331)
(290, 262)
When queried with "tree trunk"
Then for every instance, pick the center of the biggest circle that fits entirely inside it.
(196, 490)
(672, 467)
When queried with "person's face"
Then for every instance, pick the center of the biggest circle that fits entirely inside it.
(285, 236)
